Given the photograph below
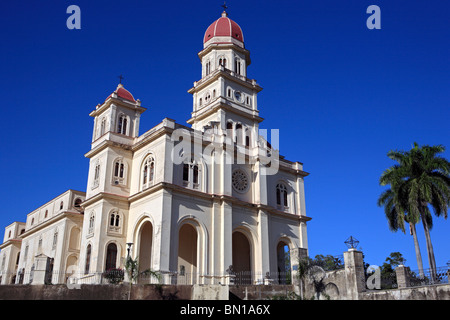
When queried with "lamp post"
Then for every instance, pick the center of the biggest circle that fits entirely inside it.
(129, 244)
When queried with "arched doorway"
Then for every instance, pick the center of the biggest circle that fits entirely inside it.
(71, 268)
(241, 258)
(145, 246)
(111, 257)
(283, 263)
(187, 254)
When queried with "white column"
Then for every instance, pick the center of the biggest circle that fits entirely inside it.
(165, 242)
(263, 265)
(226, 236)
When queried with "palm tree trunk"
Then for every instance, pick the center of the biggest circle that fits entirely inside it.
(431, 259)
(301, 289)
(412, 227)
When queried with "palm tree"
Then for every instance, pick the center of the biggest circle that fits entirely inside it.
(133, 273)
(304, 264)
(395, 214)
(419, 180)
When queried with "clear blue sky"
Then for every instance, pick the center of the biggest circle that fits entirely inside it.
(341, 95)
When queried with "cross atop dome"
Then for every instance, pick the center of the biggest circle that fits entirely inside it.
(225, 7)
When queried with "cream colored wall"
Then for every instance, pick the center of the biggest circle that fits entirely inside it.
(157, 150)
(59, 252)
(13, 231)
(53, 208)
(102, 234)
(8, 255)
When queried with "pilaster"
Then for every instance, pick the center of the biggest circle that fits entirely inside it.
(354, 273)
(403, 276)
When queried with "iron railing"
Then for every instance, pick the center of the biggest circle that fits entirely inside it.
(427, 277)
(118, 276)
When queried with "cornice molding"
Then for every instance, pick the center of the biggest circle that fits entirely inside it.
(52, 220)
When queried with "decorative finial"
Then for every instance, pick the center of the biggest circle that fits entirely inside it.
(224, 6)
(351, 243)
(120, 79)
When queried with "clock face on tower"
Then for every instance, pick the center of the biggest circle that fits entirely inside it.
(238, 96)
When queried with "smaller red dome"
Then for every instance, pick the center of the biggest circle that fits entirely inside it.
(123, 93)
(224, 27)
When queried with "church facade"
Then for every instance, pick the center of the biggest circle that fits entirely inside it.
(203, 202)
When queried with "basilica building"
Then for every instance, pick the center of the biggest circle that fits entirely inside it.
(203, 202)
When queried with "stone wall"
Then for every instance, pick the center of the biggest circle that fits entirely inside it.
(95, 292)
(432, 292)
(204, 292)
(259, 292)
(343, 284)
(349, 284)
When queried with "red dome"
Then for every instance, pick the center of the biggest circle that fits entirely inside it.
(123, 93)
(224, 27)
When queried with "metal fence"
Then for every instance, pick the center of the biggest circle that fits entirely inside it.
(415, 278)
(428, 277)
(118, 276)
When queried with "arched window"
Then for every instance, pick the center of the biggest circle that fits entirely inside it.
(114, 221)
(119, 173)
(96, 180)
(186, 172)
(88, 259)
(191, 174)
(111, 256)
(237, 66)
(207, 97)
(55, 239)
(239, 133)
(122, 124)
(195, 174)
(77, 203)
(282, 196)
(91, 224)
(46, 214)
(208, 67)
(61, 205)
(103, 127)
(148, 172)
(223, 62)
(230, 132)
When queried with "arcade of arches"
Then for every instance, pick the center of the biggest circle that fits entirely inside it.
(189, 258)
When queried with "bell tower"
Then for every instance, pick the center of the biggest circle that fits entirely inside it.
(116, 125)
(224, 97)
